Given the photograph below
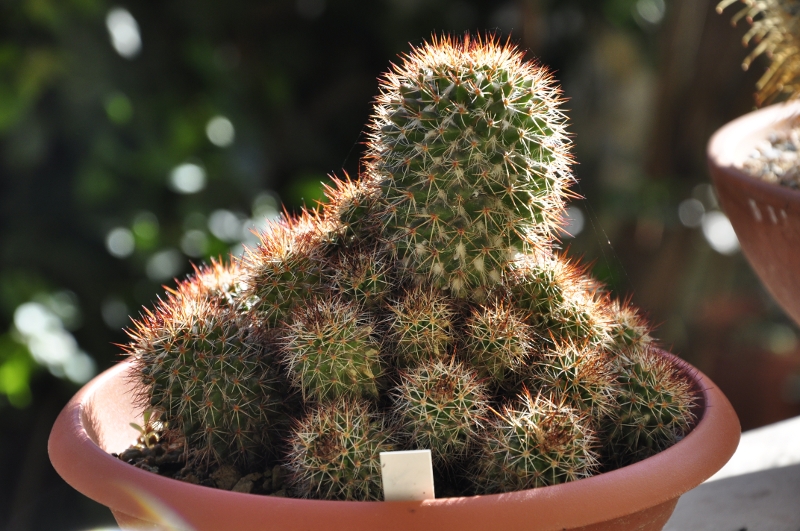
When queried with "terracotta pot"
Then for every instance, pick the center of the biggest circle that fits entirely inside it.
(641, 496)
(765, 216)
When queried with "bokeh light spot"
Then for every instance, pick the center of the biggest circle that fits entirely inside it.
(574, 222)
(124, 32)
(119, 108)
(114, 312)
(651, 11)
(225, 225)
(690, 212)
(719, 233)
(164, 265)
(120, 242)
(220, 131)
(194, 243)
(188, 178)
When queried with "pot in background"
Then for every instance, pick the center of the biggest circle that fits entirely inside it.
(765, 216)
(640, 497)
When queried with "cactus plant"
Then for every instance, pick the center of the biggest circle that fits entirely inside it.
(420, 306)
(534, 443)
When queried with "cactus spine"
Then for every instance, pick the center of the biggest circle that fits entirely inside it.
(655, 409)
(499, 341)
(422, 326)
(419, 297)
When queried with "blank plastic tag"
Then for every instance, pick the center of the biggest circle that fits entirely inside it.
(407, 475)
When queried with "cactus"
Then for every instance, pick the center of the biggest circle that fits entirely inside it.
(579, 375)
(441, 405)
(334, 452)
(469, 148)
(775, 28)
(352, 209)
(534, 443)
(563, 301)
(422, 325)
(285, 268)
(329, 351)
(412, 302)
(204, 373)
(629, 330)
(655, 407)
(498, 340)
(363, 276)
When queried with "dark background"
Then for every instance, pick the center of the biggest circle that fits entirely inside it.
(91, 226)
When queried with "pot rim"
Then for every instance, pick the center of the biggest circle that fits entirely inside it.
(728, 145)
(599, 498)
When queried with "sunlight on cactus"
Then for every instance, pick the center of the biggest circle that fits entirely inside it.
(422, 306)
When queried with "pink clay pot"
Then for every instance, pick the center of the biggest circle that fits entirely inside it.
(638, 497)
(765, 216)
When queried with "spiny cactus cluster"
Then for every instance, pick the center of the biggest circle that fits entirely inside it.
(421, 306)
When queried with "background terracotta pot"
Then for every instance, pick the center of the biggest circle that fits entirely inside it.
(641, 496)
(765, 216)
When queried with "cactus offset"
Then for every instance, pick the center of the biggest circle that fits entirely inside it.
(363, 276)
(422, 326)
(203, 372)
(655, 407)
(285, 268)
(579, 375)
(412, 302)
(498, 340)
(470, 150)
(329, 351)
(334, 452)
(440, 405)
(534, 443)
(563, 302)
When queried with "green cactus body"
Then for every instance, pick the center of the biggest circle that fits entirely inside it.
(352, 209)
(202, 372)
(655, 407)
(329, 350)
(580, 376)
(534, 443)
(440, 404)
(422, 326)
(364, 276)
(470, 151)
(563, 303)
(498, 340)
(285, 268)
(628, 329)
(334, 452)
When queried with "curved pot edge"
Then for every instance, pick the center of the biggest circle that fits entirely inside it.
(648, 483)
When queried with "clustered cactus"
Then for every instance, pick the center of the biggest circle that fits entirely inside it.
(423, 305)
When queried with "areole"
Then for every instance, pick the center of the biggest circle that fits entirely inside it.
(641, 496)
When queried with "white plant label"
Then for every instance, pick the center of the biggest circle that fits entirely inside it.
(407, 475)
